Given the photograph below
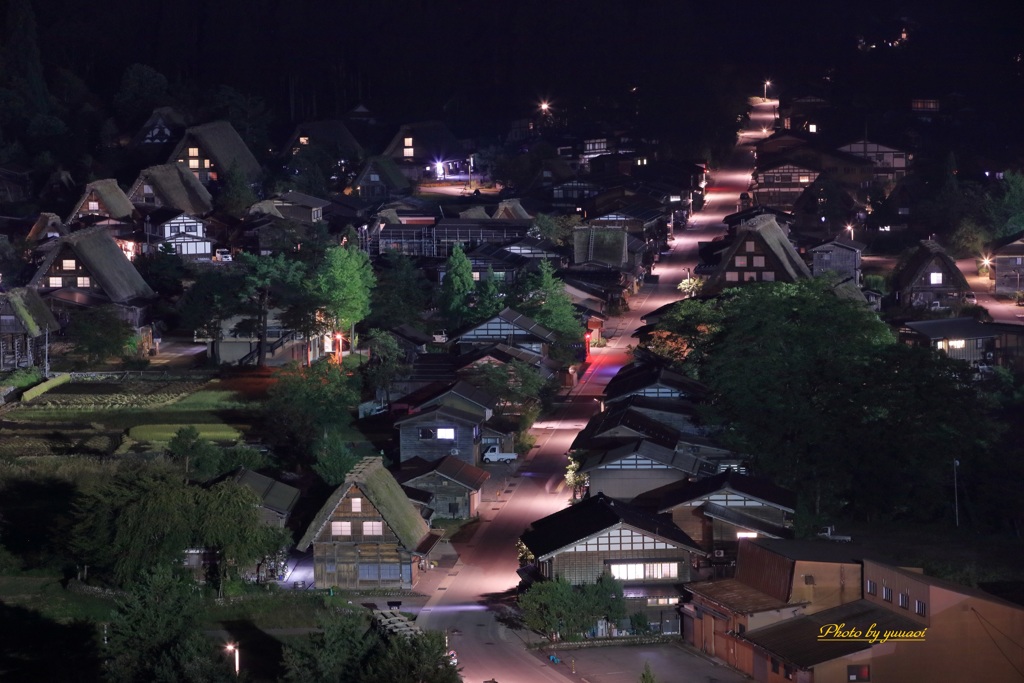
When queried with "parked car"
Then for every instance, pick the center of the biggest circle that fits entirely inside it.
(222, 255)
(493, 454)
(829, 532)
(971, 298)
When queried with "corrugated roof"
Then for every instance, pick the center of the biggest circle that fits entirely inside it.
(280, 498)
(736, 517)
(737, 596)
(385, 494)
(755, 488)
(451, 468)
(955, 328)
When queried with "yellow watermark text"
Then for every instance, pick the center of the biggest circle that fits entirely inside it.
(872, 634)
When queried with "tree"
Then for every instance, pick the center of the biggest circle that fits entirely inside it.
(554, 609)
(546, 301)
(558, 229)
(236, 194)
(303, 402)
(198, 458)
(647, 676)
(416, 658)
(334, 458)
(265, 282)
(488, 297)
(345, 281)
(386, 363)
(518, 385)
(99, 333)
(163, 270)
(1005, 210)
(335, 653)
(457, 288)
(154, 635)
(401, 288)
(142, 89)
(209, 303)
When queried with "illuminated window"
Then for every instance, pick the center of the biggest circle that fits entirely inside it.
(67, 264)
(957, 344)
(638, 571)
(759, 261)
(749, 276)
(732, 276)
(303, 140)
(656, 602)
(408, 142)
(374, 177)
(147, 189)
(206, 163)
(813, 128)
(193, 151)
(476, 276)
(83, 282)
(213, 176)
(193, 163)
(357, 505)
(341, 528)
(919, 608)
(804, 179)
(904, 601)
(746, 534)
(741, 262)
(859, 673)
(446, 433)
(870, 587)
(407, 152)
(628, 572)
(749, 245)
(94, 206)
(373, 528)
(886, 593)
(56, 282)
(935, 278)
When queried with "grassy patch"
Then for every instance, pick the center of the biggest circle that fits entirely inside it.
(451, 527)
(49, 598)
(271, 611)
(213, 399)
(166, 432)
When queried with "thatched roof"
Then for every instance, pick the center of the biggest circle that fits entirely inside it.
(175, 186)
(105, 262)
(222, 143)
(777, 249)
(110, 195)
(30, 311)
(385, 494)
(927, 252)
(47, 224)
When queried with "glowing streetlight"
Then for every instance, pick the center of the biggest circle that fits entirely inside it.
(233, 647)
(766, 84)
(544, 107)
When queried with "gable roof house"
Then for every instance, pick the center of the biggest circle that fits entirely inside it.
(969, 340)
(160, 131)
(654, 381)
(177, 229)
(103, 199)
(212, 150)
(1006, 265)
(277, 500)
(627, 471)
(455, 485)
(331, 136)
(760, 252)
(172, 186)
(928, 277)
(381, 179)
(949, 628)
(87, 269)
(438, 431)
(839, 256)
(25, 322)
(419, 148)
(599, 535)
(368, 533)
(511, 328)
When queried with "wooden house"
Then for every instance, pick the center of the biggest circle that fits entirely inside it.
(778, 183)
(104, 201)
(180, 231)
(381, 179)
(654, 381)
(455, 485)
(511, 328)
(719, 511)
(1006, 265)
(427, 149)
(331, 137)
(88, 269)
(760, 252)
(171, 186)
(888, 164)
(838, 256)
(969, 340)
(25, 323)
(159, 133)
(438, 431)
(928, 278)
(212, 150)
(627, 471)
(368, 534)
(776, 580)
(949, 631)
(599, 535)
(277, 500)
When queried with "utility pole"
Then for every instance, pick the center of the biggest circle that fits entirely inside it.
(956, 495)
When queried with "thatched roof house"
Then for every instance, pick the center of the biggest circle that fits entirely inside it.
(174, 186)
(103, 198)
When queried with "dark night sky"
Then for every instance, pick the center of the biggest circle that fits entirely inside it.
(418, 58)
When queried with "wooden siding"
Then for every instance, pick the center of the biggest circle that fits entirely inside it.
(627, 484)
(451, 500)
(765, 570)
(582, 568)
(466, 441)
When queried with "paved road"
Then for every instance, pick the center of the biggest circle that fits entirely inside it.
(470, 600)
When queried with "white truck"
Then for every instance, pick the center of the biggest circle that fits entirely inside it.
(492, 454)
(829, 532)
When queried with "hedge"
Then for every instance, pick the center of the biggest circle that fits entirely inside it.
(40, 389)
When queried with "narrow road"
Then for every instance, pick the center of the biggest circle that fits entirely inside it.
(469, 604)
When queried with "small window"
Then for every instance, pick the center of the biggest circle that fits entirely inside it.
(858, 673)
(904, 601)
(749, 245)
(768, 276)
(732, 276)
(94, 206)
(750, 276)
(407, 152)
(446, 433)
(83, 283)
(193, 163)
(341, 528)
(56, 282)
(870, 587)
(357, 505)
(303, 140)
(407, 142)
(67, 264)
(373, 528)
(759, 261)
(808, 579)
(886, 593)
(374, 177)
(775, 665)
(426, 434)
(919, 608)
(935, 278)
(741, 262)
(206, 163)
(193, 151)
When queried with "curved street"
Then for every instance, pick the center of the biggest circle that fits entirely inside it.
(469, 603)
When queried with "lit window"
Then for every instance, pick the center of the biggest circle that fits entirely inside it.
(147, 189)
(56, 282)
(206, 163)
(213, 176)
(957, 344)
(94, 206)
(193, 163)
(870, 587)
(341, 528)
(476, 276)
(357, 505)
(750, 245)
(904, 601)
(656, 602)
(886, 593)
(83, 282)
(804, 179)
(919, 608)
(628, 572)
(935, 278)
(746, 534)
(732, 276)
(858, 673)
(768, 276)
(303, 140)
(741, 262)
(375, 177)
(373, 528)
(407, 152)
(193, 151)
(67, 264)
(758, 261)
(407, 142)
(446, 433)
(749, 276)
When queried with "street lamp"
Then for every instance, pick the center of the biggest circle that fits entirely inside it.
(233, 647)
(766, 84)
